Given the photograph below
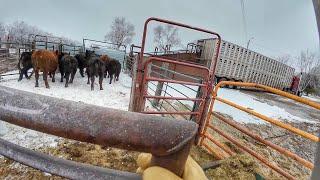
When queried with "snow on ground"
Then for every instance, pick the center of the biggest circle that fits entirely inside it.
(237, 97)
(116, 96)
(252, 103)
(312, 98)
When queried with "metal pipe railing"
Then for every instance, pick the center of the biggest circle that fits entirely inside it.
(61, 167)
(167, 139)
(256, 137)
(272, 121)
(281, 150)
(138, 89)
(219, 144)
(253, 153)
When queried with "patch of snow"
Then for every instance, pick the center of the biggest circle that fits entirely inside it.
(116, 96)
(3, 128)
(250, 102)
(47, 174)
(235, 96)
(28, 138)
(312, 98)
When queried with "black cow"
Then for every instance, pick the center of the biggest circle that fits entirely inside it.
(25, 60)
(68, 66)
(82, 62)
(96, 67)
(113, 68)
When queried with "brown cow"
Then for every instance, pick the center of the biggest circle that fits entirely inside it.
(106, 60)
(45, 61)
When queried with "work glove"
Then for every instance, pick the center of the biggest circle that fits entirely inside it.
(192, 170)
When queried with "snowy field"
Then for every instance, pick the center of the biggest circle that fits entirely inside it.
(238, 97)
(252, 103)
(117, 96)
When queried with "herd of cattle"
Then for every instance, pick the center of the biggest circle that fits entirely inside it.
(48, 62)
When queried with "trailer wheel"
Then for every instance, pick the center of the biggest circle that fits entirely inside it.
(299, 94)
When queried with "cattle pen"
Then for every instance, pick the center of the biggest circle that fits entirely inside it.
(171, 106)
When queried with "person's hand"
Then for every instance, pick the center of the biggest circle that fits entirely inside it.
(192, 170)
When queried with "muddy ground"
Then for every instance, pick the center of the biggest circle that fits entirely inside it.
(112, 158)
(241, 166)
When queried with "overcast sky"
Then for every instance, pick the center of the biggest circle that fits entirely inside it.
(278, 26)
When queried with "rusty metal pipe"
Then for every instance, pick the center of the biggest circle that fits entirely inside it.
(93, 124)
(169, 97)
(219, 144)
(60, 167)
(253, 153)
(217, 154)
(268, 143)
(172, 112)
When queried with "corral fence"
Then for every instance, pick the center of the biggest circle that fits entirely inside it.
(222, 151)
(113, 128)
(11, 51)
(113, 50)
(171, 84)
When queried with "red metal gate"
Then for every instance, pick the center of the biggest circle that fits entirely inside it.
(155, 70)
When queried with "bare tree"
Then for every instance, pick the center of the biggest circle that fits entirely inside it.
(308, 64)
(285, 59)
(19, 31)
(121, 32)
(2, 31)
(165, 36)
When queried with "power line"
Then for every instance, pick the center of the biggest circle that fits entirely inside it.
(244, 20)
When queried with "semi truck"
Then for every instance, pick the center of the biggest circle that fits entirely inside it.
(237, 63)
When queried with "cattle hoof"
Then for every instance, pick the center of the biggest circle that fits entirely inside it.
(36, 85)
(101, 88)
(53, 80)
